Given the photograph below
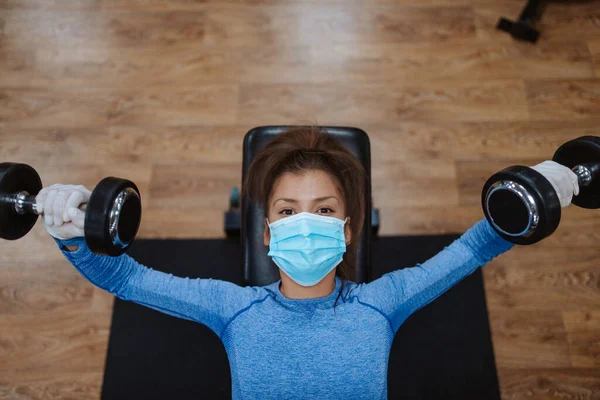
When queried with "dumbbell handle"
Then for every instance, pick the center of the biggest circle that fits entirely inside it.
(586, 173)
(24, 203)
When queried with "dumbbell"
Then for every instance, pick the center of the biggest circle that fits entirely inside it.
(112, 214)
(522, 205)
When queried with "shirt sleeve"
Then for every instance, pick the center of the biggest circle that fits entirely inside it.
(398, 294)
(207, 301)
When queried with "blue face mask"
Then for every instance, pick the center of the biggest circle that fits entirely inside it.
(307, 246)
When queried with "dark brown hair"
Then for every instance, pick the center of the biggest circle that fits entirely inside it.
(304, 148)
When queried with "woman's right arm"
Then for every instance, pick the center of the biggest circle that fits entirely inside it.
(207, 301)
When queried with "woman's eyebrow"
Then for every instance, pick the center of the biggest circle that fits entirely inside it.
(316, 200)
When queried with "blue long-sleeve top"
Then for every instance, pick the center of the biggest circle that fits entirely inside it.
(282, 348)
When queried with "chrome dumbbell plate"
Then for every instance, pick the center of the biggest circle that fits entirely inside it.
(521, 205)
(113, 216)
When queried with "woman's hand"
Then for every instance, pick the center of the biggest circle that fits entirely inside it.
(63, 208)
(563, 180)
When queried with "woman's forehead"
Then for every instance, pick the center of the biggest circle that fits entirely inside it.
(305, 187)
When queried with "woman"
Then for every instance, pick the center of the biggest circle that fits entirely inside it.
(314, 333)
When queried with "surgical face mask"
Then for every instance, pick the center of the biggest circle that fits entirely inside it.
(307, 246)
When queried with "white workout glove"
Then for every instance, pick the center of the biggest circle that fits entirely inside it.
(60, 204)
(563, 180)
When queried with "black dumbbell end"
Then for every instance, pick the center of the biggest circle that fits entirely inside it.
(16, 178)
(521, 205)
(583, 151)
(113, 216)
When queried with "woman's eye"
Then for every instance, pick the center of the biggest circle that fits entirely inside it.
(322, 210)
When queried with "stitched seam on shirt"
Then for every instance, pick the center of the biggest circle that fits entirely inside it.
(166, 310)
(473, 252)
(240, 312)
(376, 309)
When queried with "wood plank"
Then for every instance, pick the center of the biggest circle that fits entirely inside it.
(193, 186)
(37, 295)
(192, 63)
(37, 246)
(178, 145)
(65, 342)
(457, 59)
(344, 105)
(120, 148)
(529, 339)
(583, 330)
(295, 24)
(44, 148)
(184, 65)
(564, 100)
(315, 24)
(45, 383)
(400, 185)
(594, 46)
(176, 223)
(549, 383)
(541, 299)
(210, 104)
(36, 28)
(427, 220)
(512, 141)
(566, 287)
(563, 20)
(181, 5)
(545, 276)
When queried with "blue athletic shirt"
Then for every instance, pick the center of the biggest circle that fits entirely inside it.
(281, 348)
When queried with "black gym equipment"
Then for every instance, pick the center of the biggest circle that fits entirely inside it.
(522, 205)
(523, 29)
(112, 214)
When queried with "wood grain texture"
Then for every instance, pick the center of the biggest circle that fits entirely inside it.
(311, 23)
(345, 104)
(561, 20)
(565, 99)
(192, 185)
(158, 5)
(531, 338)
(550, 383)
(583, 332)
(594, 46)
(74, 29)
(453, 59)
(84, 108)
(162, 93)
(46, 384)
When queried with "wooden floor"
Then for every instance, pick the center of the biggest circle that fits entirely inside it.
(162, 93)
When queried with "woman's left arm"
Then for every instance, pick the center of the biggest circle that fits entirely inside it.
(400, 293)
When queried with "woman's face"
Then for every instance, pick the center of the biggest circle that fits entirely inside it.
(313, 192)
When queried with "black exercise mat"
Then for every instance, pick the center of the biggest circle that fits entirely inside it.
(443, 351)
